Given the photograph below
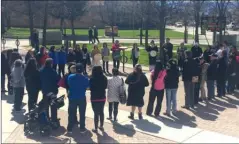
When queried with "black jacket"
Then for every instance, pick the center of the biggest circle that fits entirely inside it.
(212, 71)
(97, 87)
(71, 57)
(78, 55)
(172, 79)
(152, 60)
(222, 69)
(33, 81)
(5, 69)
(206, 55)
(169, 48)
(190, 68)
(90, 33)
(196, 51)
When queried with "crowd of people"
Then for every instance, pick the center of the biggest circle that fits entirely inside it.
(218, 65)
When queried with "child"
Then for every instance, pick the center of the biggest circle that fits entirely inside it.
(18, 83)
(105, 57)
(171, 85)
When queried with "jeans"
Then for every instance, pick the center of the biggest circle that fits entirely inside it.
(18, 92)
(152, 95)
(61, 69)
(210, 88)
(196, 92)
(32, 98)
(221, 87)
(106, 64)
(3, 82)
(53, 116)
(135, 61)
(116, 63)
(231, 84)
(116, 104)
(72, 110)
(189, 93)
(171, 95)
(98, 108)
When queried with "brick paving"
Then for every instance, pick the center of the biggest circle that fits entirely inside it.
(114, 133)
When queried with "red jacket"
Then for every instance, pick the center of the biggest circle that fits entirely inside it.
(115, 47)
(43, 59)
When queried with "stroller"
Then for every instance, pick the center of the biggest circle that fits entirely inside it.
(38, 120)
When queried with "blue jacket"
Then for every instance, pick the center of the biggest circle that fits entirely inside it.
(53, 55)
(61, 57)
(49, 80)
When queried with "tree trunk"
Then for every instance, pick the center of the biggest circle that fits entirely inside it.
(45, 23)
(141, 32)
(31, 24)
(61, 25)
(112, 34)
(220, 26)
(185, 33)
(197, 20)
(146, 36)
(73, 32)
(162, 29)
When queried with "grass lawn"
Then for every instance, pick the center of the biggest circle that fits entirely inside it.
(143, 59)
(25, 33)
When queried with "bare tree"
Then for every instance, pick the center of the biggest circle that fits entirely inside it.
(110, 13)
(75, 10)
(45, 23)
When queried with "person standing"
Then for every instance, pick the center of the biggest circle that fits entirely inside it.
(49, 84)
(221, 74)
(203, 78)
(71, 57)
(61, 58)
(86, 58)
(96, 34)
(137, 82)
(113, 93)
(211, 76)
(196, 51)
(18, 83)
(41, 57)
(116, 54)
(157, 89)
(168, 49)
(207, 53)
(171, 86)
(78, 84)
(181, 55)
(95, 56)
(135, 54)
(29, 55)
(98, 96)
(197, 84)
(33, 82)
(231, 75)
(189, 77)
(90, 34)
(78, 54)
(105, 52)
(5, 70)
(152, 50)
(53, 54)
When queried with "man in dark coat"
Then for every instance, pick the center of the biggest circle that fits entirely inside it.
(5, 70)
(221, 74)
(196, 51)
(90, 34)
(96, 34)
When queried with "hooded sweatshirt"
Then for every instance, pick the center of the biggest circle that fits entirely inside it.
(18, 76)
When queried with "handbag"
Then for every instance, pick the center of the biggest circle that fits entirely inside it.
(61, 83)
(122, 93)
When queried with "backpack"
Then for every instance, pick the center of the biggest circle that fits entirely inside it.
(122, 93)
(159, 82)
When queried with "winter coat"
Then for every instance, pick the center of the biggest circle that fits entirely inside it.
(61, 57)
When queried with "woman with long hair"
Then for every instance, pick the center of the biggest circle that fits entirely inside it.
(137, 82)
(95, 54)
(98, 84)
(157, 89)
(33, 82)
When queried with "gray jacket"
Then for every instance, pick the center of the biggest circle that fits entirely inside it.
(17, 75)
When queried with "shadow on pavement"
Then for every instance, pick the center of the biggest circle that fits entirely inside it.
(79, 137)
(105, 138)
(146, 126)
(120, 129)
(50, 139)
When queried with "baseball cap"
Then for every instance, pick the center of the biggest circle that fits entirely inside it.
(79, 68)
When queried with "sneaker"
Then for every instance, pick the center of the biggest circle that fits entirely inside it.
(140, 116)
(131, 116)
(82, 130)
(101, 128)
(115, 119)
(186, 107)
(109, 118)
(167, 114)
(94, 130)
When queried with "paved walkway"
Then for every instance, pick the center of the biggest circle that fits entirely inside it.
(215, 121)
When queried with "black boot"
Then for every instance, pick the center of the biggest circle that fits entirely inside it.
(140, 116)
(131, 116)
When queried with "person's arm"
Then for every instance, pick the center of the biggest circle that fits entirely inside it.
(146, 82)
